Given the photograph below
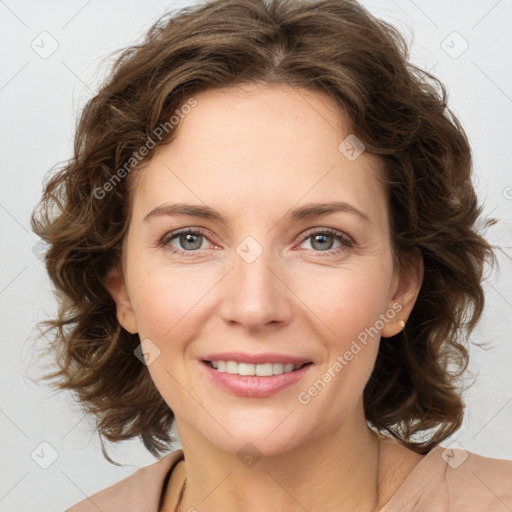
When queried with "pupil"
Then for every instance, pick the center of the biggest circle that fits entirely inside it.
(188, 239)
(321, 237)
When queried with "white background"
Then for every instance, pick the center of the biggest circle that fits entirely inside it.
(39, 102)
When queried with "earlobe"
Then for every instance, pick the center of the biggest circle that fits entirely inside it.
(407, 290)
(116, 286)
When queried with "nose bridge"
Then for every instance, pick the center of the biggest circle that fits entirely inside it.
(254, 294)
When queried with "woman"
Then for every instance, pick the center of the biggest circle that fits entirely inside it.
(267, 236)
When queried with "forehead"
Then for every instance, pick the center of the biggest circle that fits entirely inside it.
(258, 148)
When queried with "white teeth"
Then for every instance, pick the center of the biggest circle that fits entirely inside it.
(277, 368)
(259, 370)
(231, 367)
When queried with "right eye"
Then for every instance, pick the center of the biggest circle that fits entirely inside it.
(189, 240)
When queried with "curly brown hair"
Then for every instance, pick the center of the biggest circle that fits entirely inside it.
(400, 113)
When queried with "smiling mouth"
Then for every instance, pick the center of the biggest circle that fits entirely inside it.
(254, 370)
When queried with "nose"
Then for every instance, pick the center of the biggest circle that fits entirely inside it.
(255, 293)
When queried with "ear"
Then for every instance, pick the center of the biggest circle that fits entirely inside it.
(116, 286)
(406, 286)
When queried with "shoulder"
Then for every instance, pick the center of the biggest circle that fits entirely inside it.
(472, 478)
(141, 490)
(455, 480)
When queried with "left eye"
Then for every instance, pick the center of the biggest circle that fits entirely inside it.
(321, 241)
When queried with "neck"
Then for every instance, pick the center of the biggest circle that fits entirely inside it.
(332, 473)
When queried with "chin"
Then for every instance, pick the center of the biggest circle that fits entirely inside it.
(259, 440)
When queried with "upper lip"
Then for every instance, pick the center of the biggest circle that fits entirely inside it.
(243, 357)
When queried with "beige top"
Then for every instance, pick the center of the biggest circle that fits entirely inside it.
(443, 481)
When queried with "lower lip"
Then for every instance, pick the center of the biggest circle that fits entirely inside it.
(249, 386)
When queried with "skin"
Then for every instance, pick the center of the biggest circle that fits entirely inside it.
(292, 299)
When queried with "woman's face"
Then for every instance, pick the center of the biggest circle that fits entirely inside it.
(272, 281)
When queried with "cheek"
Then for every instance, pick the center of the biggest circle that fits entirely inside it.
(347, 300)
(166, 300)
(168, 304)
(349, 306)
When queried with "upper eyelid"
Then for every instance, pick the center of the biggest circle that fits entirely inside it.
(330, 231)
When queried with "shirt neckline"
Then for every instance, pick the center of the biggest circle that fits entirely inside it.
(420, 476)
(410, 487)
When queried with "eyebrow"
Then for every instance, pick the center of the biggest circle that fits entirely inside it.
(308, 211)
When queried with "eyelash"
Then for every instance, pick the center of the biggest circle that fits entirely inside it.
(346, 241)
